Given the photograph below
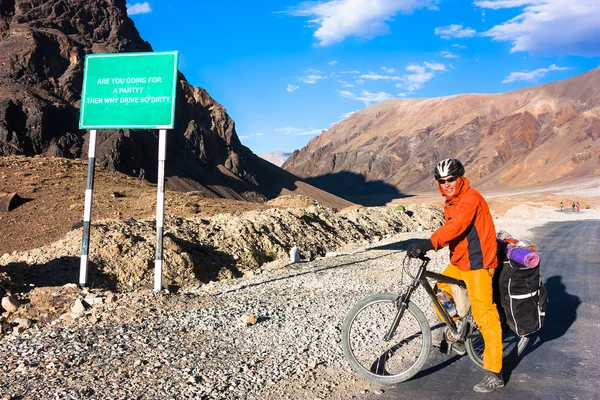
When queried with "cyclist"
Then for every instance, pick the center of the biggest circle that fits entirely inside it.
(469, 232)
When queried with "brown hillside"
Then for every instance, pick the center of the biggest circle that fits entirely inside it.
(532, 136)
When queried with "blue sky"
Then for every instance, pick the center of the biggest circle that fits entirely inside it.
(285, 70)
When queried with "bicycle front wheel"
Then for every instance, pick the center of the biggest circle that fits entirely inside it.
(374, 358)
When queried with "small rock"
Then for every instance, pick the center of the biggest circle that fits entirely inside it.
(67, 317)
(170, 244)
(18, 329)
(10, 304)
(79, 307)
(110, 298)
(248, 274)
(248, 319)
(70, 285)
(24, 322)
(91, 300)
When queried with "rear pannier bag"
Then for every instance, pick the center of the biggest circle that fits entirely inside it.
(523, 297)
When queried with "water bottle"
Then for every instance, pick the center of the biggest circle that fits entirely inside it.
(446, 302)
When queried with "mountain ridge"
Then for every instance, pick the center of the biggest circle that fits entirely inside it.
(512, 139)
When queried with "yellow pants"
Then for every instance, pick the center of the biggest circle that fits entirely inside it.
(485, 313)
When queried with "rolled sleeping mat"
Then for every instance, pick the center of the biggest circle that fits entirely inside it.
(528, 258)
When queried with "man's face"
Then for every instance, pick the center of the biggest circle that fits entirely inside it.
(448, 184)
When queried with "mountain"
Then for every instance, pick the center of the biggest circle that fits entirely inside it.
(43, 44)
(526, 137)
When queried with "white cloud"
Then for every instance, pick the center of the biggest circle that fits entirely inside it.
(498, 4)
(311, 71)
(260, 134)
(419, 74)
(388, 70)
(346, 84)
(549, 26)
(338, 19)
(243, 137)
(447, 54)
(454, 31)
(350, 72)
(332, 62)
(435, 66)
(532, 76)
(288, 130)
(376, 77)
(402, 94)
(291, 88)
(366, 96)
(311, 78)
(460, 46)
(139, 8)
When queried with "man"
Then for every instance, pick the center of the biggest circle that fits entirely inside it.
(469, 232)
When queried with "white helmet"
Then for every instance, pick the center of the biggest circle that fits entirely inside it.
(447, 167)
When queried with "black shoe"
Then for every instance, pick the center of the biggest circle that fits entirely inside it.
(490, 383)
(459, 348)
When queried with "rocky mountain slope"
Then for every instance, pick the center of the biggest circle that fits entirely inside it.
(535, 135)
(42, 49)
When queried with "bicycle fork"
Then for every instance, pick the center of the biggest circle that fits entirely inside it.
(402, 303)
(403, 300)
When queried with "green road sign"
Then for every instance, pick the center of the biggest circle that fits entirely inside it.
(129, 90)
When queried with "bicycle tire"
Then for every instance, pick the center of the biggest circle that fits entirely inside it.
(512, 345)
(364, 328)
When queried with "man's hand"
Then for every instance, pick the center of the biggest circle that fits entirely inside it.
(419, 247)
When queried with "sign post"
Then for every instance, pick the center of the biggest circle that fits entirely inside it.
(128, 91)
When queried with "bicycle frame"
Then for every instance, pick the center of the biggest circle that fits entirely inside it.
(421, 279)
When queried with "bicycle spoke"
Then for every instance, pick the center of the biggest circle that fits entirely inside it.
(372, 352)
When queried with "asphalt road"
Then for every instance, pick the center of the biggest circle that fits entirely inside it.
(562, 360)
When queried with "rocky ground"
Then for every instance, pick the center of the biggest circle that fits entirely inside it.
(272, 335)
(237, 320)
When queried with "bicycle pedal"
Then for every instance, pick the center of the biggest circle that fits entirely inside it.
(444, 347)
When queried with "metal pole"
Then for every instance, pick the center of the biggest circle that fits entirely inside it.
(87, 213)
(160, 209)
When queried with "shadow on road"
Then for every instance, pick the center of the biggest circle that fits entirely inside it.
(560, 314)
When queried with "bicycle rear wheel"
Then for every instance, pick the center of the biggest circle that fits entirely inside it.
(512, 344)
(372, 357)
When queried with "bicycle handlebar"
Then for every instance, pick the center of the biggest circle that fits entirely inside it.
(421, 257)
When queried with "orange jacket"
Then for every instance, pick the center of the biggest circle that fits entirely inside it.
(469, 229)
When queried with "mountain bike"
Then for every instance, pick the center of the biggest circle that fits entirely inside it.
(386, 337)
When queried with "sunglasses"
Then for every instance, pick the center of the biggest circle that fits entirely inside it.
(450, 179)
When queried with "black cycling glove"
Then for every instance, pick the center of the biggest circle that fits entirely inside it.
(419, 247)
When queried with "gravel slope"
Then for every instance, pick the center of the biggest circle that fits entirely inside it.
(194, 344)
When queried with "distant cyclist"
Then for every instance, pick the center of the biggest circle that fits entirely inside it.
(470, 234)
